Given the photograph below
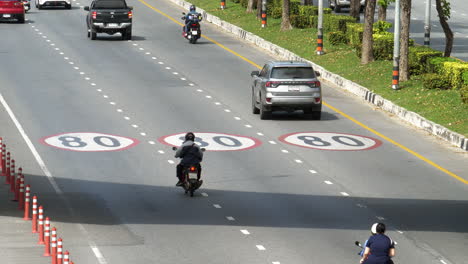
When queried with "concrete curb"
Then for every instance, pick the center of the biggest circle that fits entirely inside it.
(375, 99)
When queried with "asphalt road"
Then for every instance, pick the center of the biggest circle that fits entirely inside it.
(273, 203)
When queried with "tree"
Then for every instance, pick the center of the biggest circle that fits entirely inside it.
(259, 9)
(405, 6)
(285, 22)
(250, 6)
(367, 38)
(308, 2)
(443, 10)
(383, 5)
(355, 10)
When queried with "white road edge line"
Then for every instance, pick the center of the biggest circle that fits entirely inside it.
(52, 181)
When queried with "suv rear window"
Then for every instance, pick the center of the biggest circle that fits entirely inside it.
(292, 73)
(110, 4)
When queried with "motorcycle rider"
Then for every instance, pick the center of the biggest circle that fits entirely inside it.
(189, 16)
(379, 248)
(190, 154)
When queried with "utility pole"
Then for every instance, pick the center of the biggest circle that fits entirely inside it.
(427, 24)
(396, 48)
(264, 13)
(320, 28)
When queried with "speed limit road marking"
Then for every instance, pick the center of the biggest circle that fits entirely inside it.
(89, 142)
(214, 141)
(331, 141)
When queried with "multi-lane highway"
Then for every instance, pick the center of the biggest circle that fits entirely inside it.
(264, 200)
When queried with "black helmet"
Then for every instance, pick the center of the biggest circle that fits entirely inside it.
(190, 136)
(193, 8)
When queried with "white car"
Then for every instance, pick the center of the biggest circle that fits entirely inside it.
(337, 5)
(46, 3)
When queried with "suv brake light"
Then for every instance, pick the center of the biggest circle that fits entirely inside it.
(314, 84)
(18, 4)
(130, 14)
(194, 24)
(272, 84)
(94, 14)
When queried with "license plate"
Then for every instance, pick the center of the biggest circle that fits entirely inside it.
(195, 32)
(293, 88)
(112, 25)
(193, 176)
(6, 15)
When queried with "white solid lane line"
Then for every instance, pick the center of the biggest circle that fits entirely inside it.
(245, 232)
(52, 181)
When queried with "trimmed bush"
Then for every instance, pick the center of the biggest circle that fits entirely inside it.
(243, 3)
(434, 81)
(354, 32)
(326, 11)
(236, 1)
(276, 9)
(337, 22)
(276, 12)
(453, 71)
(465, 78)
(308, 11)
(298, 21)
(435, 64)
(383, 46)
(418, 56)
(337, 37)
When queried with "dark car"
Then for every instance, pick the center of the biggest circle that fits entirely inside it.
(12, 10)
(286, 85)
(110, 17)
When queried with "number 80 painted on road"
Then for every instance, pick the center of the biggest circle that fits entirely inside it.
(89, 142)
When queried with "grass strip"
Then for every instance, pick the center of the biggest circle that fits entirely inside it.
(443, 107)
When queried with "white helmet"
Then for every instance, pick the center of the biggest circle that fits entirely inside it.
(374, 228)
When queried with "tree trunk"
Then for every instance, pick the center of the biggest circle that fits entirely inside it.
(447, 31)
(355, 6)
(367, 38)
(259, 9)
(382, 13)
(285, 22)
(405, 6)
(250, 6)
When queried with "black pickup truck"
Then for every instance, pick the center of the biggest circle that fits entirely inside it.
(109, 16)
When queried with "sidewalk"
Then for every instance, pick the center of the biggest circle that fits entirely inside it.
(18, 244)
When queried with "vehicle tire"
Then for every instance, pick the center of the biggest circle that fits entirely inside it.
(68, 6)
(316, 115)
(128, 35)
(337, 8)
(89, 34)
(191, 193)
(255, 109)
(193, 40)
(264, 114)
(21, 19)
(93, 35)
(39, 6)
(361, 9)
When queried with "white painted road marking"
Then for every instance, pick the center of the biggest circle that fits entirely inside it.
(245, 232)
(89, 142)
(344, 194)
(312, 171)
(217, 206)
(52, 181)
(330, 141)
(328, 182)
(260, 247)
(230, 218)
(204, 194)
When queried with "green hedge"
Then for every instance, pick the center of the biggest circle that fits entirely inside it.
(464, 94)
(435, 64)
(418, 56)
(453, 71)
(434, 81)
(354, 32)
(381, 26)
(243, 3)
(465, 78)
(337, 22)
(382, 47)
(336, 38)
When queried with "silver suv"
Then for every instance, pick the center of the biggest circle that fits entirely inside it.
(286, 85)
(337, 5)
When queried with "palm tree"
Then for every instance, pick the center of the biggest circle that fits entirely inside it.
(367, 38)
(285, 22)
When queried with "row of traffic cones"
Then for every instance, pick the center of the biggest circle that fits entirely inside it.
(53, 247)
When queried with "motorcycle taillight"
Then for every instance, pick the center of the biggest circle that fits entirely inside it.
(194, 25)
(193, 169)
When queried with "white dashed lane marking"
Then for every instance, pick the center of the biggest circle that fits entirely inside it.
(260, 247)
(328, 182)
(143, 133)
(204, 194)
(217, 103)
(344, 194)
(275, 262)
(248, 126)
(119, 110)
(272, 142)
(93, 84)
(230, 218)
(135, 126)
(227, 110)
(312, 171)
(284, 151)
(112, 103)
(260, 133)
(171, 161)
(237, 118)
(381, 218)
(126, 118)
(99, 90)
(161, 151)
(151, 142)
(298, 161)
(217, 206)
(245, 232)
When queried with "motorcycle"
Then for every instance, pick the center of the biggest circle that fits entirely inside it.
(361, 252)
(191, 183)
(193, 32)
